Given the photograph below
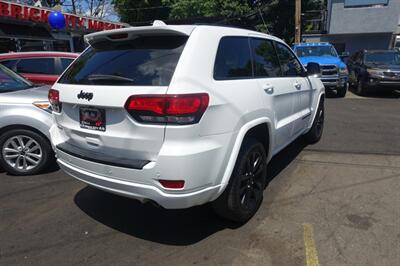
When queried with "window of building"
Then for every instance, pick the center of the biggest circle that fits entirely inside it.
(361, 3)
(233, 60)
(266, 63)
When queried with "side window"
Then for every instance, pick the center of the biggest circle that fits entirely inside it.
(233, 60)
(266, 62)
(36, 66)
(9, 63)
(290, 66)
(65, 62)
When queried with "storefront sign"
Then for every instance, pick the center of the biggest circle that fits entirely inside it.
(39, 15)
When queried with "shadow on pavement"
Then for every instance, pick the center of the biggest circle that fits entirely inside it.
(50, 169)
(280, 161)
(171, 227)
(376, 93)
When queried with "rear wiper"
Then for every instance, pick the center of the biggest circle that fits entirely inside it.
(105, 77)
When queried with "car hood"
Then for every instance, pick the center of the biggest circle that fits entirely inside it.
(383, 66)
(35, 94)
(322, 60)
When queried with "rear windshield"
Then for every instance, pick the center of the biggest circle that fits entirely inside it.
(143, 61)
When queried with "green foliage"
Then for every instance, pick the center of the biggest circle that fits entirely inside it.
(141, 11)
(278, 14)
(181, 9)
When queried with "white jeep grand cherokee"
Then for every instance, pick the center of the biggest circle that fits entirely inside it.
(183, 115)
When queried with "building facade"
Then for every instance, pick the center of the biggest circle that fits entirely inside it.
(353, 25)
(26, 28)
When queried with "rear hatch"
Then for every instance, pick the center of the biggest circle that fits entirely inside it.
(94, 91)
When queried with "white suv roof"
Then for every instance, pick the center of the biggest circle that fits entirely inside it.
(161, 27)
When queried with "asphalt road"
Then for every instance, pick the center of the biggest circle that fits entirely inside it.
(333, 203)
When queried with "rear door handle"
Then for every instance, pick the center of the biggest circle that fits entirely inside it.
(268, 88)
(297, 85)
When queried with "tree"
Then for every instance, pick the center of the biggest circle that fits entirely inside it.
(103, 9)
(273, 16)
(280, 14)
(182, 9)
(141, 11)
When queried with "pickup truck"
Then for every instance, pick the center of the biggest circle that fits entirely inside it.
(334, 73)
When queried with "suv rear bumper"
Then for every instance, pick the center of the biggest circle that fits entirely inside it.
(199, 162)
(141, 192)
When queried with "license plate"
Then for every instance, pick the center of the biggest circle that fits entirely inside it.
(92, 118)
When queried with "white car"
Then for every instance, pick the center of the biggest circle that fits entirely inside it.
(183, 115)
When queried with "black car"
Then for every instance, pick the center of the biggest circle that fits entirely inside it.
(374, 69)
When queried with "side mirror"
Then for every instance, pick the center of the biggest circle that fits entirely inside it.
(313, 69)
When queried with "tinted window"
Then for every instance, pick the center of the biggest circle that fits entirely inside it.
(145, 61)
(233, 59)
(388, 58)
(9, 63)
(36, 66)
(9, 81)
(266, 63)
(323, 50)
(65, 62)
(290, 66)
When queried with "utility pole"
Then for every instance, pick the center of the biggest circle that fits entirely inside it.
(297, 21)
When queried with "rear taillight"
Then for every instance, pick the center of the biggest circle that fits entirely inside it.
(180, 109)
(54, 99)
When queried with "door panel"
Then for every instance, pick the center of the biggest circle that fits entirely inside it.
(279, 96)
(303, 105)
(293, 72)
(278, 92)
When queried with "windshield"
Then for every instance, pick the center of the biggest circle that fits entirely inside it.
(10, 81)
(145, 61)
(389, 58)
(316, 51)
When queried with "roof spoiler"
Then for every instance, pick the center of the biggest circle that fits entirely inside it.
(158, 28)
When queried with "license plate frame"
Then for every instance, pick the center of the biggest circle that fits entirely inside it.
(92, 118)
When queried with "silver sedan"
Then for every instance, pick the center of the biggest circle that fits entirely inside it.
(25, 119)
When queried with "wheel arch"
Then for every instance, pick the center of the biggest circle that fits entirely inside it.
(255, 128)
(321, 98)
(21, 126)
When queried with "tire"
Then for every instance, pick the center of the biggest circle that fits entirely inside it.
(244, 193)
(24, 152)
(317, 128)
(341, 91)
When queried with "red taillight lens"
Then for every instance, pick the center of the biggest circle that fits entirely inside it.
(172, 184)
(54, 99)
(180, 109)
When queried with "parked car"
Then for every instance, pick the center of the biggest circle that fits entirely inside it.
(334, 72)
(25, 119)
(183, 115)
(38, 67)
(375, 69)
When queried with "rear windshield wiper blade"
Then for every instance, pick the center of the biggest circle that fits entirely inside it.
(104, 77)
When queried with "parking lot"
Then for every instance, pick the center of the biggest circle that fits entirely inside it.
(333, 203)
